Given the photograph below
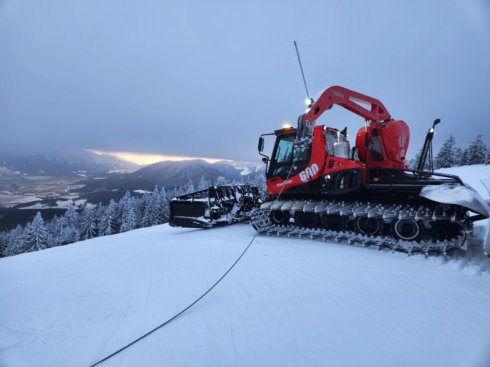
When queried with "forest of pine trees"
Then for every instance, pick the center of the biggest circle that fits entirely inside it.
(450, 155)
(130, 212)
(91, 221)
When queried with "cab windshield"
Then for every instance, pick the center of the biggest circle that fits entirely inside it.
(285, 153)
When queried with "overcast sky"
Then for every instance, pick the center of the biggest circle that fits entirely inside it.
(206, 78)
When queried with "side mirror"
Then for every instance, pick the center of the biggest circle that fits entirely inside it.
(265, 160)
(261, 144)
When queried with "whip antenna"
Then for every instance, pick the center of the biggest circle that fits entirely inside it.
(302, 72)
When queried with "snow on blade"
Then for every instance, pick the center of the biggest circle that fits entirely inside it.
(461, 195)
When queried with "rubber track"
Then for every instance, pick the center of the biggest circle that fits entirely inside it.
(263, 225)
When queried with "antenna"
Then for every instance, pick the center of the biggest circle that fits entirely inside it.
(302, 72)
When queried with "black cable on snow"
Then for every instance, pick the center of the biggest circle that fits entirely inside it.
(197, 299)
(180, 312)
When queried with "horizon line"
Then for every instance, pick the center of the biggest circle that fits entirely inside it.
(142, 159)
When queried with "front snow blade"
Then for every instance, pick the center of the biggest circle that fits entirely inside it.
(456, 194)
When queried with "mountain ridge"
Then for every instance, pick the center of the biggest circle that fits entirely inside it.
(175, 173)
(67, 163)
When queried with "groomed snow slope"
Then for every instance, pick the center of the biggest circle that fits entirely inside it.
(289, 302)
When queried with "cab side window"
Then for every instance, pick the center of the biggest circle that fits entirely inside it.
(376, 152)
(330, 140)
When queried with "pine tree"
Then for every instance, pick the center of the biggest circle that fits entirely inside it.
(146, 219)
(203, 184)
(98, 211)
(477, 151)
(189, 187)
(88, 223)
(3, 243)
(176, 191)
(5, 237)
(108, 220)
(447, 154)
(152, 214)
(70, 226)
(128, 218)
(465, 160)
(458, 156)
(140, 211)
(164, 207)
(54, 228)
(15, 241)
(37, 235)
(121, 205)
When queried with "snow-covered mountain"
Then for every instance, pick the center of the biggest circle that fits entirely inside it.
(85, 163)
(172, 173)
(62, 163)
(179, 173)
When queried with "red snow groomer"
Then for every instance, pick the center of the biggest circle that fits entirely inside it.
(319, 187)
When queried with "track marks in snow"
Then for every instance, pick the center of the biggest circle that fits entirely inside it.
(150, 286)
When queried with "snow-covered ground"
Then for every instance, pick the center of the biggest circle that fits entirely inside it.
(288, 302)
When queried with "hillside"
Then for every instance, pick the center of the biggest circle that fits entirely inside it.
(288, 302)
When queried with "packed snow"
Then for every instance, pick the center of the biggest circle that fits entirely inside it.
(288, 302)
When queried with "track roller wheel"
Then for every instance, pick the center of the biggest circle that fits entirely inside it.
(279, 217)
(333, 222)
(308, 220)
(368, 226)
(407, 229)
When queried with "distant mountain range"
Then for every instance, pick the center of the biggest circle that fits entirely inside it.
(63, 163)
(53, 179)
(173, 173)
